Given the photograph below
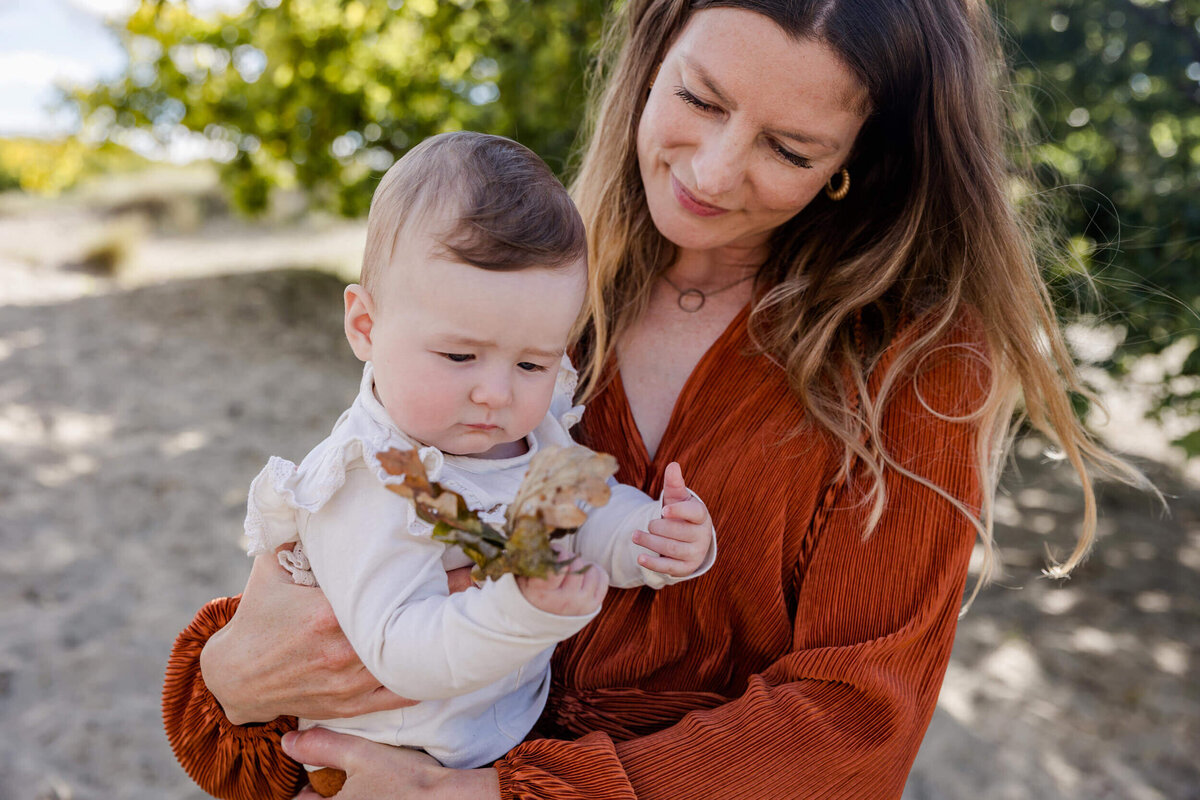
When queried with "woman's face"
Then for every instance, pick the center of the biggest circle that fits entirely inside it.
(742, 128)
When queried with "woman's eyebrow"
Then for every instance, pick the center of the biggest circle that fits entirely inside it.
(803, 138)
(725, 100)
(709, 83)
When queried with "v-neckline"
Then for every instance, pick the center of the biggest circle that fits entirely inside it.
(684, 392)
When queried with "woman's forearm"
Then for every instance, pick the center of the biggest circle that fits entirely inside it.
(226, 760)
(465, 784)
(381, 772)
(221, 670)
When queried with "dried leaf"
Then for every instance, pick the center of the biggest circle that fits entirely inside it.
(546, 507)
(560, 476)
(406, 463)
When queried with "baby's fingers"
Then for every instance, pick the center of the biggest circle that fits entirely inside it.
(688, 510)
(674, 489)
(665, 545)
(666, 566)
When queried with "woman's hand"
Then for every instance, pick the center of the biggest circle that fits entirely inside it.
(380, 772)
(283, 653)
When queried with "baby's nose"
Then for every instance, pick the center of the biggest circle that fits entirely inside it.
(493, 391)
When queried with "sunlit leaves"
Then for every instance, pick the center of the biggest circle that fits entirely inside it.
(284, 81)
(1116, 84)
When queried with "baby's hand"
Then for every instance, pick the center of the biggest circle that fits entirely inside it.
(577, 590)
(684, 533)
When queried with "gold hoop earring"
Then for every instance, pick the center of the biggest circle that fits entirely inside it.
(840, 192)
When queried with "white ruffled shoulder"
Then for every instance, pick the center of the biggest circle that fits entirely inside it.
(562, 406)
(282, 489)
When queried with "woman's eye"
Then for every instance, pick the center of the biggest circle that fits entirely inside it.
(792, 158)
(529, 366)
(691, 99)
(458, 358)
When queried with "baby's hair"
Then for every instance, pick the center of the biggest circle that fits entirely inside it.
(504, 208)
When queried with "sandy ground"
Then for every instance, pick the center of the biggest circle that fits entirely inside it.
(134, 411)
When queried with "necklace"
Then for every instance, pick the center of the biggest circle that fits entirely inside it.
(692, 300)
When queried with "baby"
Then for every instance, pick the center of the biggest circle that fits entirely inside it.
(474, 274)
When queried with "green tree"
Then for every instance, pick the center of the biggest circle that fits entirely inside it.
(1116, 87)
(325, 95)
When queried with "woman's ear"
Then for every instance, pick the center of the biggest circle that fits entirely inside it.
(360, 319)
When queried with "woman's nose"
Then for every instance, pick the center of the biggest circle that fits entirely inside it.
(719, 164)
(494, 389)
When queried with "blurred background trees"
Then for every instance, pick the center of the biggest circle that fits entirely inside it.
(322, 96)
(1116, 87)
(326, 94)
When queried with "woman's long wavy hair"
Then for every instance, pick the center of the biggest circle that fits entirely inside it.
(930, 230)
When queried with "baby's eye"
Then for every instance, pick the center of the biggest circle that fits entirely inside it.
(529, 366)
(458, 358)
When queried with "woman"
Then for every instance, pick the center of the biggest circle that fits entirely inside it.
(810, 288)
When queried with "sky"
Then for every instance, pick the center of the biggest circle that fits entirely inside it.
(48, 42)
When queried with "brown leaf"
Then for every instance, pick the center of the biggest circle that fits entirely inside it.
(546, 507)
(561, 476)
(406, 463)
(445, 505)
(563, 515)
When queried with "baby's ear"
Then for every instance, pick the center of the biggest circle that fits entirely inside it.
(360, 318)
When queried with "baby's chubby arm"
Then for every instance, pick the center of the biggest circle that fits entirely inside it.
(389, 593)
(646, 542)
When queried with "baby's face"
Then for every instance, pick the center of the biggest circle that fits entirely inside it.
(466, 358)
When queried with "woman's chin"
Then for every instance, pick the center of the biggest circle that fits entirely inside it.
(688, 232)
(699, 235)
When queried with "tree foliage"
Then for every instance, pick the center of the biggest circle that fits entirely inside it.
(1116, 88)
(325, 94)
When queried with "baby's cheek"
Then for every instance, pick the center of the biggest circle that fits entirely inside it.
(415, 412)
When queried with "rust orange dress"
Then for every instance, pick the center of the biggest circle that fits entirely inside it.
(806, 663)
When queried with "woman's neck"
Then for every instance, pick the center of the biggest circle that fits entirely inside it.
(708, 268)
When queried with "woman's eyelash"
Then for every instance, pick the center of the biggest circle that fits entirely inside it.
(785, 154)
(792, 158)
(692, 100)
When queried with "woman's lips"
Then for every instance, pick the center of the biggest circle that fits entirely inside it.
(691, 204)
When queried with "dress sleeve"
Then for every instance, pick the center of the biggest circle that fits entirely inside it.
(231, 762)
(843, 713)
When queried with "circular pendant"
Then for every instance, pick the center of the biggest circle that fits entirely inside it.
(691, 300)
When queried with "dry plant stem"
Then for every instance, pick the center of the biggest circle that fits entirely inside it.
(546, 507)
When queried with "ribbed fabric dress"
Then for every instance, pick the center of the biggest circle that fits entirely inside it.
(806, 663)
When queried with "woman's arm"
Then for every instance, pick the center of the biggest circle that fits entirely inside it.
(282, 652)
(843, 713)
(379, 772)
(260, 669)
(310, 671)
